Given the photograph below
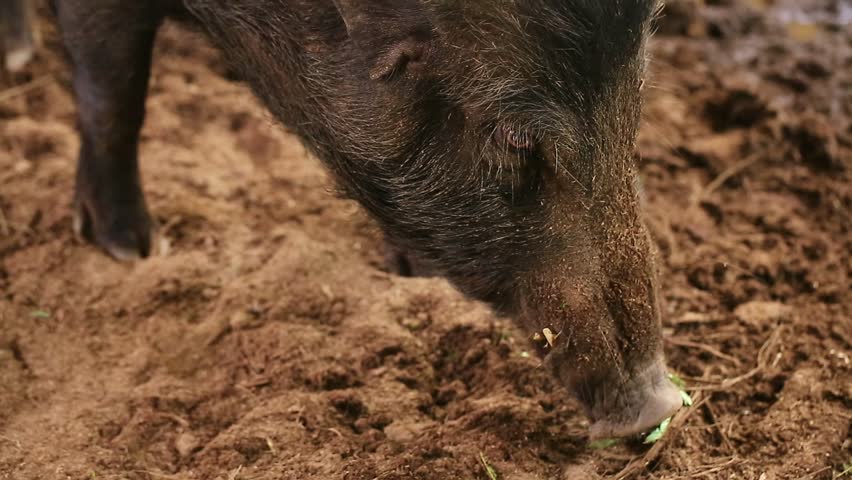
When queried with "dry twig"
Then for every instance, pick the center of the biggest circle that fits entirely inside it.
(156, 474)
(681, 342)
(762, 361)
(637, 465)
(175, 418)
(235, 473)
(4, 225)
(708, 407)
(814, 474)
(26, 87)
(705, 470)
(727, 174)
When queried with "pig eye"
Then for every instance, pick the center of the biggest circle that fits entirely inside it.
(517, 139)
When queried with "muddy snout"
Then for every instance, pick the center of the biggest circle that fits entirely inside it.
(619, 403)
(635, 406)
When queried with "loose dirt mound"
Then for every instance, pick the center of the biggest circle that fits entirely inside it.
(266, 341)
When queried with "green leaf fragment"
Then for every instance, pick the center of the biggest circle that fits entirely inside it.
(492, 473)
(681, 385)
(658, 432)
(603, 443)
(39, 314)
(679, 382)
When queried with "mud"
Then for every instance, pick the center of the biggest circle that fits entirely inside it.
(265, 340)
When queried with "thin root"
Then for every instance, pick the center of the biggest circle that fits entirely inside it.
(727, 174)
(762, 361)
(707, 348)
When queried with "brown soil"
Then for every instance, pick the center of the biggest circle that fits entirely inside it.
(266, 341)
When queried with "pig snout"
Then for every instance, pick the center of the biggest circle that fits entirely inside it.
(607, 349)
(636, 406)
(620, 402)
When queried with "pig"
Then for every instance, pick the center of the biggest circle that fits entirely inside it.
(491, 140)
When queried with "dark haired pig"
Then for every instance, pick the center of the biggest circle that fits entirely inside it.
(491, 140)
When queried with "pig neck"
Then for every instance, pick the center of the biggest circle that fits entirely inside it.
(301, 63)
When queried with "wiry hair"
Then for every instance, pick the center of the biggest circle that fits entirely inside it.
(537, 58)
(416, 151)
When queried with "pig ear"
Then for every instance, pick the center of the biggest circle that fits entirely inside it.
(394, 35)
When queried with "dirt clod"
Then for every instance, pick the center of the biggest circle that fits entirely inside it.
(186, 443)
(760, 313)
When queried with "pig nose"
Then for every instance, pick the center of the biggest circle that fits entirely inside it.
(654, 400)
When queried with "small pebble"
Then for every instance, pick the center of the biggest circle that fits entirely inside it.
(758, 312)
(186, 443)
(241, 319)
(403, 432)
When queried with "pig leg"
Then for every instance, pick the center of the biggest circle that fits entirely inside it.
(110, 42)
(19, 34)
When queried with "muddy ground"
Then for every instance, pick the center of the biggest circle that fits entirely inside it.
(265, 341)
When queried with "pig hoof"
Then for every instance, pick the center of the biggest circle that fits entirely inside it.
(125, 233)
